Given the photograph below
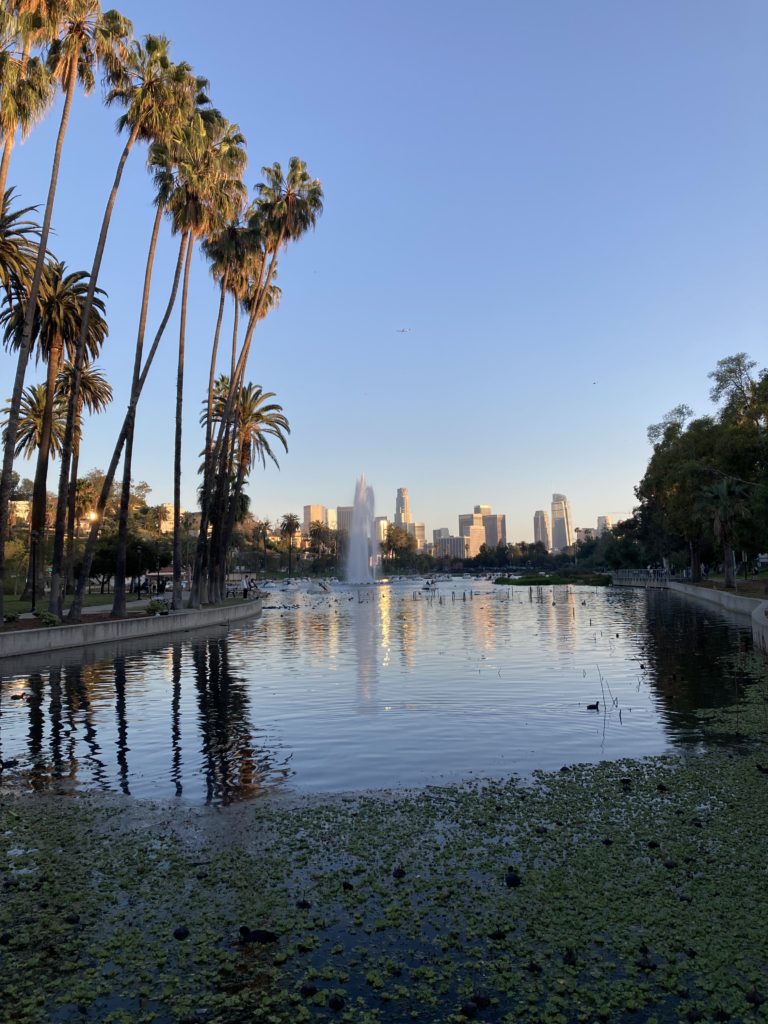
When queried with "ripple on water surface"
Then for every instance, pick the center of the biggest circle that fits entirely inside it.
(376, 687)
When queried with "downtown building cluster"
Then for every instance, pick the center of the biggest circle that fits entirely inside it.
(480, 527)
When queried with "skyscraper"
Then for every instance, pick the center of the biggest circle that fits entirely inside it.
(495, 527)
(562, 530)
(541, 529)
(402, 507)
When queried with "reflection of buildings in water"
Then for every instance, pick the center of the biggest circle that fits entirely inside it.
(404, 629)
(364, 624)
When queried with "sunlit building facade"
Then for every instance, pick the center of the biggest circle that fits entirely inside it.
(403, 507)
(562, 528)
(541, 534)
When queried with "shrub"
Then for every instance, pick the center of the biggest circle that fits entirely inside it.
(11, 617)
(157, 608)
(47, 618)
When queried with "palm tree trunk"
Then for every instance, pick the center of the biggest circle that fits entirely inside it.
(5, 162)
(730, 573)
(176, 603)
(25, 347)
(39, 492)
(77, 365)
(118, 604)
(69, 560)
(235, 328)
(77, 603)
(694, 547)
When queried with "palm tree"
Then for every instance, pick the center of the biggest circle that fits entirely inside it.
(31, 418)
(26, 90)
(158, 96)
(263, 530)
(289, 525)
(258, 422)
(58, 318)
(18, 248)
(199, 174)
(286, 207)
(84, 37)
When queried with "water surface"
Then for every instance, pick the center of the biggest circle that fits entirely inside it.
(375, 687)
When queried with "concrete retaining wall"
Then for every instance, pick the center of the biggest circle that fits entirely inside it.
(14, 644)
(752, 607)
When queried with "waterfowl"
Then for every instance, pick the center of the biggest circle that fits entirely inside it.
(594, 707)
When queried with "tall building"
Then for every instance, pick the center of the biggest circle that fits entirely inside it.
(483, 510)
(344, 518)
(604, 523)
(402, 507)
(442, 534)
(541, 529)
(314, 514)
(331, 521)
(467, 520)
(449, 547)
(495, 527)
(562, 530)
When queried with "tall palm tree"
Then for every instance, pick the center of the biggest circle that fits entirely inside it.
(84, 38)
(200, 172)
(286, 206)
(59, 314)
(158, 96)
(26, 90)
(289, 525)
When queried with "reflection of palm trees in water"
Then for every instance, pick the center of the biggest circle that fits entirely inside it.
(176, 718)
(234, 767)
(122, 725)
(73, 697)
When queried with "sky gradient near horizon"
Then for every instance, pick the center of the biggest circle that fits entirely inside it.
(564, 203)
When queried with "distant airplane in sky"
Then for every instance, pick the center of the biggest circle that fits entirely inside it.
(404, 330)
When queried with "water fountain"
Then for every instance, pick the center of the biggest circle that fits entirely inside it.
(361, 558)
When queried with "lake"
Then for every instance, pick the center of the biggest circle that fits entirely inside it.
(372, 687)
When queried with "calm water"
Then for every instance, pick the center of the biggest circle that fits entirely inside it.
(376, 687)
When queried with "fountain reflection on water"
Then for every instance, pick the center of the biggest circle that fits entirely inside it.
(361, 552)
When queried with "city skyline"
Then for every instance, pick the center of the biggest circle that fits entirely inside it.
(602, 299)
(481, 526)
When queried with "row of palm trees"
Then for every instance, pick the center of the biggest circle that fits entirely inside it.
(196, 158)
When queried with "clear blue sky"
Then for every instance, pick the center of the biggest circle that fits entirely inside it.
(549, 194)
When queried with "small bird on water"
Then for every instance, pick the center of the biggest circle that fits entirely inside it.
(594, 707)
